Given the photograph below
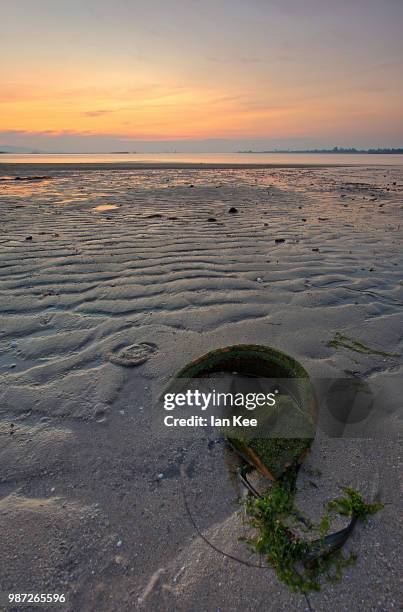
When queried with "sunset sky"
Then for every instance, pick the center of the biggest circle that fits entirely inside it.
(97, 75)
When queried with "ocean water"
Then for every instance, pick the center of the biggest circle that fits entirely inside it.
(206, 158)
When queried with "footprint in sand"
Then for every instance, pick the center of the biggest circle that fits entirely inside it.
(132, 355)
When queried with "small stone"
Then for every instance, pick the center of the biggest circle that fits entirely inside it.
(233, 210)
(160, 476)
(119, 543)
(28, 238)
(317, 250)
(212, 219)
(279, 240)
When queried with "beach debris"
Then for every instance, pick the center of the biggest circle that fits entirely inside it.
(259, 279)
(212, 219)
(279, 240)
(232, 209)
(132, 355)
(119, 543)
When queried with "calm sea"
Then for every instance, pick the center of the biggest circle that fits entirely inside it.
(208, 158)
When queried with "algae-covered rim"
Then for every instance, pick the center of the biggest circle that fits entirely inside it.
(259, 360)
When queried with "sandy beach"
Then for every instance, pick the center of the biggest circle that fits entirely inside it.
(94, 260)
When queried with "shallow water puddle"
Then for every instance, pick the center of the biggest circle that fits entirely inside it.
(103, 207)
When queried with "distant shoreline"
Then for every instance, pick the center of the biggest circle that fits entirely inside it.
(335, 151)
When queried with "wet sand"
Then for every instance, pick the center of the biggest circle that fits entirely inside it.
(96, 266)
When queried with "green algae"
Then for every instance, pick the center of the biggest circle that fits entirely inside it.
(285, 552)
(278, 455)
(343, 341)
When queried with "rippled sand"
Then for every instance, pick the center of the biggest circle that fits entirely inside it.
(103, 270)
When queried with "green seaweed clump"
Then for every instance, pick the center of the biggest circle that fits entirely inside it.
(352, 503)
(288, 554)
(356, 346)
